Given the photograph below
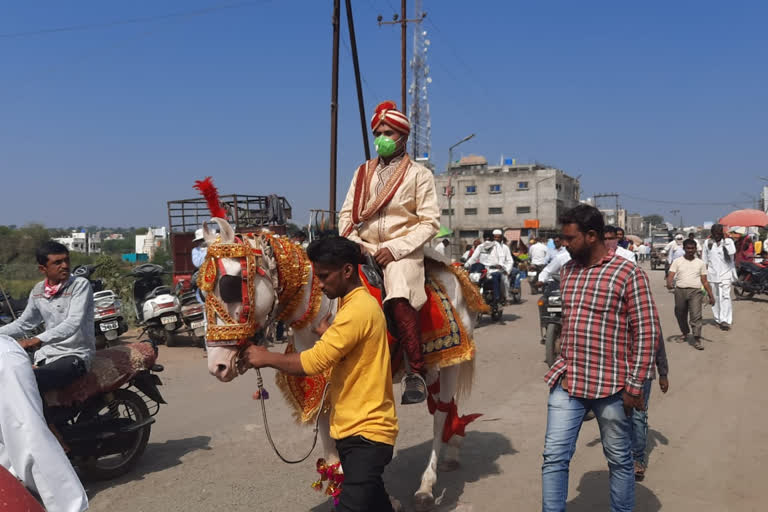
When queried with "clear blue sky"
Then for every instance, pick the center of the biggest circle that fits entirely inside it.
(660, 100)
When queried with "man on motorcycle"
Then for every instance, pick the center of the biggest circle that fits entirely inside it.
(508, 262)
(490, 255)
(65, 304)
(391, 211)
(28, 450)
(552, 270)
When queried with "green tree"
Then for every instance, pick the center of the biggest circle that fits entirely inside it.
(653, 220)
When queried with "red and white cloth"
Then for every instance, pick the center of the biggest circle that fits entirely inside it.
(386, 112)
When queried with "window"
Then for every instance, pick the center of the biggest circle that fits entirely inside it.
(470, 211)
(523, 209)
(495, 189)
(522, 185)
(467, 234)
(447, 191)
(470, 189)
(446, 211)
(495, 211)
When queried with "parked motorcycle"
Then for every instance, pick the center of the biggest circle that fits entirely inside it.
(158, 311)
(108, 317)
(752, 279)
(105, 417)
(551, 320)
(10, 308)
(191, 309)
(480, 276)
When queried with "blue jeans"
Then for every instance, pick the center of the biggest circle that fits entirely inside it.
(564, 417)
(640, 427)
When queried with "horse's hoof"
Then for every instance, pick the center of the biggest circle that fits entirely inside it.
(448, 465)
(423, 502)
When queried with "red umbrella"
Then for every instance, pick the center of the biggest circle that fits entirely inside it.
(745, 218)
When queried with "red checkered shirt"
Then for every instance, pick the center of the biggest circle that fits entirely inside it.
(610, 328)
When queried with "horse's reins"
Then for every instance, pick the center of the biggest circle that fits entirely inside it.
(237, 333)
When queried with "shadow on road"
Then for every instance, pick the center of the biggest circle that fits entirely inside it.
(479, 454)
(157, 457)
(594, 495)
(654, 439)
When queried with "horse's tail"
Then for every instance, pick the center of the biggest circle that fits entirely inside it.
(466, 379)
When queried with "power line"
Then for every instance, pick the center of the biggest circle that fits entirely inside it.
(687, 203)
(130, 21)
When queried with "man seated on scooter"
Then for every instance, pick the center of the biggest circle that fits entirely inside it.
(65, 304)
(489, 255)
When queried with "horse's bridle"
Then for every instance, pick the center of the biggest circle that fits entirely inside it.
(230, 332)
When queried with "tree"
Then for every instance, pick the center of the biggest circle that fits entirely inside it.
(653, 220)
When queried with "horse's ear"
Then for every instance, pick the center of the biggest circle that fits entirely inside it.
(226, 232)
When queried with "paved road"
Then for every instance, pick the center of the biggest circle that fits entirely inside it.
(707, 435)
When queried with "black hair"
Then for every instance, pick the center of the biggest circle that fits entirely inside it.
(558, 236)
(49, 247)
(587, 217)
(335, 251)
(716, 227)
(609, 229)
(689, 241)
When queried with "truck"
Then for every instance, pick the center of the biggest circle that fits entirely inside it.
(246, 214)
(660, 238)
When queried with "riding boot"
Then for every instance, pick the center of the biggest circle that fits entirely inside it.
(406, 319)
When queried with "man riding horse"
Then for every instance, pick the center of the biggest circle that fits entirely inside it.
(391, 211)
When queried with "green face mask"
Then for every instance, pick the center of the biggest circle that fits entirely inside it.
(385, 146)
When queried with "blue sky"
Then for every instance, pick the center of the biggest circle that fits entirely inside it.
(662, 101)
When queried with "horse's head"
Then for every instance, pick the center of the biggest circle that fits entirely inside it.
(239, 296)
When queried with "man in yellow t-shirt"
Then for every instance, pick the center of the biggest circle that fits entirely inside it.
(363, 420)
(688, 274)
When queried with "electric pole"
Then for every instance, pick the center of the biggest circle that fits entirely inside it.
(402, 20)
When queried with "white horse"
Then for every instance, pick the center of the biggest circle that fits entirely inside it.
(454, 381)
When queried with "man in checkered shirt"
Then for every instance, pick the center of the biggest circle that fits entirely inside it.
(609, 338)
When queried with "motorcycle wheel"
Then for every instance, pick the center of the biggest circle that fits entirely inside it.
(739, 291)
(516, 298)
(171, 339)
(550, 350)
(125, 404)
(496, 313)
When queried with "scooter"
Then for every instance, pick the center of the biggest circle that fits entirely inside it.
(108, 317)
(752, 279)
(191, 309)
(158, 311)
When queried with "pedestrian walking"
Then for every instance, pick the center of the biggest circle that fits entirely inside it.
(687, 276)
(610, 332)
(718, 253)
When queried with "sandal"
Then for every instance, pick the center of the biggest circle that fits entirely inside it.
(639, 470)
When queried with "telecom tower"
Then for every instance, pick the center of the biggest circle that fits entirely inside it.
(421, 126)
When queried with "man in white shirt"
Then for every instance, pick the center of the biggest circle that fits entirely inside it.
(490, 255)
(718, 253)
(687, 275)
(508, 263)
(675, 248)
(442, 246)
(28, 449)
(612, 242)
(560, 257)
(539, 254)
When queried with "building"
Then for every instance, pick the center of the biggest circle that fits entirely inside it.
(154, 239)
(634, 224)
(82, 242)
(475, 197)
(764, 199)
(611, 219)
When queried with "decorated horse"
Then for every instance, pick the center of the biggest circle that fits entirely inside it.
(254, 280)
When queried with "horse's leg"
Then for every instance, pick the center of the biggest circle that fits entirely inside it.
(423, 499)
(328, 444)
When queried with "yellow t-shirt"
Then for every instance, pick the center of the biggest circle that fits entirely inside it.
(688, 272)
(355, 345)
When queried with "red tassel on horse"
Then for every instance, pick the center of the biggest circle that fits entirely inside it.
(211, 195)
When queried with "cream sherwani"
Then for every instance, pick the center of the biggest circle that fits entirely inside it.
(408, 222)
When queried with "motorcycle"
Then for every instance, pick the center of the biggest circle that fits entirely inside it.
(106, 416)
(158, 311)
(533, 277)
(481, 277)
(515, 293)
(551, 320)
(191, 309)
(108, 317)
(10, 308)
(109, 322)
(752, 279)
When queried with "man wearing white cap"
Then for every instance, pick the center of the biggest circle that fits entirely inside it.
(718, 254)
(199, 250)
(507, 262)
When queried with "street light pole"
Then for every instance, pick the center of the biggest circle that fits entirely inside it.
(449, 191)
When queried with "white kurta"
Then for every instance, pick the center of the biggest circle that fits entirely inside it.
(28, 449)
(408, 222)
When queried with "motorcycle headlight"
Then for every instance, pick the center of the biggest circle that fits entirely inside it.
(554, 300)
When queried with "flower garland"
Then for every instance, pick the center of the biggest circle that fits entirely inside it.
(329, 473)
(315, 299)
(293, 269)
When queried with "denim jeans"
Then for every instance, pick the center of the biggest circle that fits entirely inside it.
(564, 418)
(640, 427)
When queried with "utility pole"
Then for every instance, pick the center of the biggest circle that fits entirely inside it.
(358, 85)
(615, 196)
(334, 107)
(402, 20)
(674, 213)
